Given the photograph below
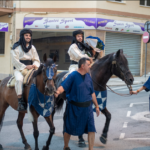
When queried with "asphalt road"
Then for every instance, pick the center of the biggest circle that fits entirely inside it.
(129, 127)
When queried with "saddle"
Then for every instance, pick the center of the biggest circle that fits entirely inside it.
(27, 77)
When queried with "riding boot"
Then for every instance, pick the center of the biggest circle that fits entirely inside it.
(22, 106)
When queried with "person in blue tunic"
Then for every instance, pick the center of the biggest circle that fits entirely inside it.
(80, 94)
(145, 87)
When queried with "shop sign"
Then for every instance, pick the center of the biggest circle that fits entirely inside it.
(3, 27)
(59, 23)
(83, 23)
(120, 26)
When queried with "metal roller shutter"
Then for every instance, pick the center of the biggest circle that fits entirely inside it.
(131, 45)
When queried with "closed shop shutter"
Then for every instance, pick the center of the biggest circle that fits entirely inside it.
(131, 45)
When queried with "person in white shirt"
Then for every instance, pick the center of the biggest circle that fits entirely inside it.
(80, 49)
(24, 56)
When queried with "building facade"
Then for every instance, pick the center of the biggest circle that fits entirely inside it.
(119, 23)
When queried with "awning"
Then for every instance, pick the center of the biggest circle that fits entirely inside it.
(120, 26)
(83, 23)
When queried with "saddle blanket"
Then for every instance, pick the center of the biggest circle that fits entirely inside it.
(101, 99)
(43, 104)
(27, 76)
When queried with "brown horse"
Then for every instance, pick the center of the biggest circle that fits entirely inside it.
(8, 97)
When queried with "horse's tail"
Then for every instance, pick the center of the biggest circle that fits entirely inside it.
(1, 122)
(60, 100)
(59, 104)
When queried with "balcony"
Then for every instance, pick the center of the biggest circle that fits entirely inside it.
(6, 7)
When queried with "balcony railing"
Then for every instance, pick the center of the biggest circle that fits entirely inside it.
(6, 3)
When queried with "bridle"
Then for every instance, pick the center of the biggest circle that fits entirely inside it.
(47, 78)
(45, 83)
(123, 74)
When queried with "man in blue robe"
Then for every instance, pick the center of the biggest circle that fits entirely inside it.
(79, 117)
(145, 87)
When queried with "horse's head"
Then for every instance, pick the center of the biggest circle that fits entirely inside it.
(49, 72)
(120, 67)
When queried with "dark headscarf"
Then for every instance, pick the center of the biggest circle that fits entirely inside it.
(81, 45)
(22, 41)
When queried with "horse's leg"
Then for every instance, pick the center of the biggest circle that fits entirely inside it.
(3, 108)
(20, 125)
(52, 131)
(35, 128)
(107, 114)
(81, 142)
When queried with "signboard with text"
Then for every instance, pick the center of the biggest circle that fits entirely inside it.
(120, 26)
(59, 23)
(83, 23)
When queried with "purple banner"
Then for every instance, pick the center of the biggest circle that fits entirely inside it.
(30, 20)
(103, 22)
(83, 23)
(3, 27)
(89, 21)
(120, 26)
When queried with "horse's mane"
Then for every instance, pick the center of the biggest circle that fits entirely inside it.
(103, 60)
(39, 71)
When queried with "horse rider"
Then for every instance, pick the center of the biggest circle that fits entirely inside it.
(79, 118)
(79, 49)
(24, 56)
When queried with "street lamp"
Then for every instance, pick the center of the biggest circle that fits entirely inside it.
(147, 26)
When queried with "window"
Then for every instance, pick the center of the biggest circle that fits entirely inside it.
(52, 52)
(40, 55)
(67, 58)
(145, 2)
(116, 0)
(2, 42)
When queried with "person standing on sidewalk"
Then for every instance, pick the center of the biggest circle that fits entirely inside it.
(80, 94)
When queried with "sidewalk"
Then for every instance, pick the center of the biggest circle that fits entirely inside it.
(119, 82)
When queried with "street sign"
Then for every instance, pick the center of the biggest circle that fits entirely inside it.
(146, 37)
(147, 26)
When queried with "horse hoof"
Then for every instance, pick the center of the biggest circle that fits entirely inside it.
(27, 147)
(45, 148)
(81, 143)
(1, 148)
(103, 139)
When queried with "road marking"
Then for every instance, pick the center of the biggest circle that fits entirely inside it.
(137, 139)
(122, 135)
(128, 113)
(125, 124)
(131, 105)
(141, 116)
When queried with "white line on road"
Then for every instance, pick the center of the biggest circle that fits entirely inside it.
(131, 105)
(125, 124)
(122, 135)
(128, 113)
(137, 139)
